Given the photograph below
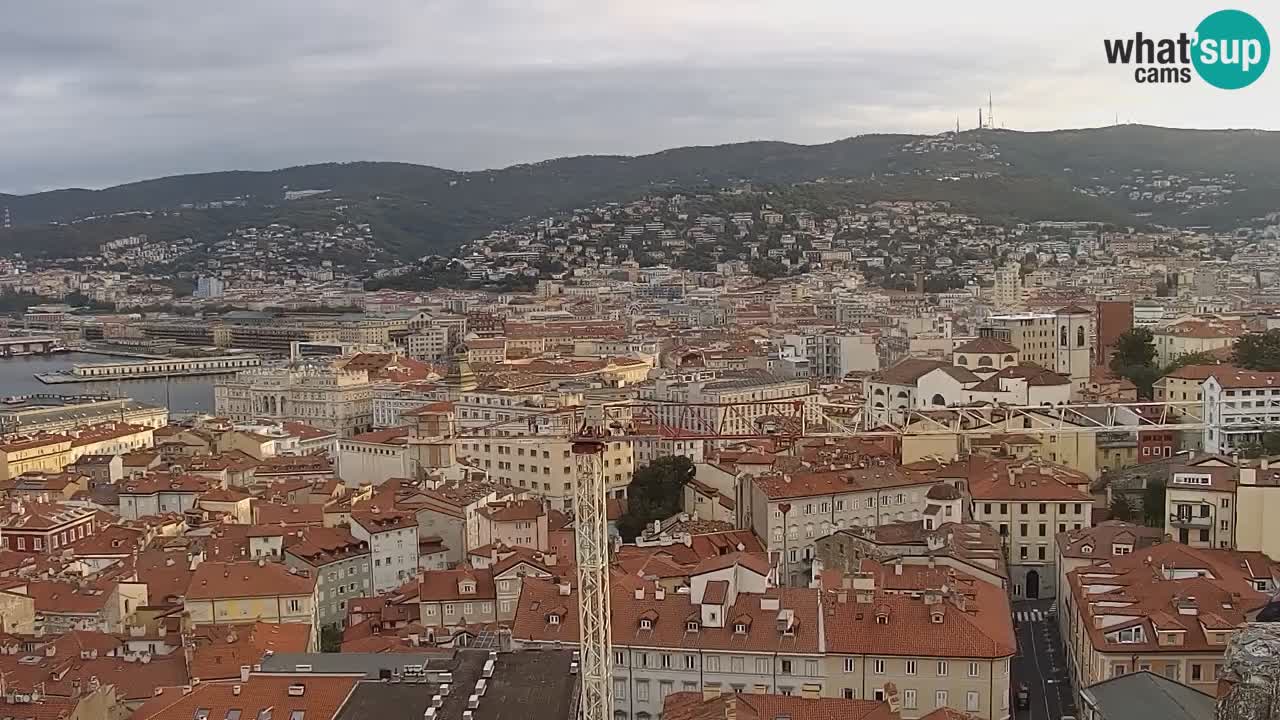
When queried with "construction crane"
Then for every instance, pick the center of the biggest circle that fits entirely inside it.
(590, 428)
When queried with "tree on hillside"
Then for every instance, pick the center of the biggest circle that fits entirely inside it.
(1195, 358)
(1153, 503)
(1134, 347)
(655, 493)
(1266, 446)
(1258, 351)
(1135, 359)
(1121, 508)
(767, 269)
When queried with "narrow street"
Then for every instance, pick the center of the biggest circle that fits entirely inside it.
(1041, 663)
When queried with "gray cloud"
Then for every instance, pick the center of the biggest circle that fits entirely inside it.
(133, 89)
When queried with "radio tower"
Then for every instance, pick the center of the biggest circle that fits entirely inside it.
(591, 536)
(991, 112)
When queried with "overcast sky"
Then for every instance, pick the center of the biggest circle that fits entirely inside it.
(108, 91)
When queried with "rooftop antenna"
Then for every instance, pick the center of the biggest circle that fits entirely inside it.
(991, 112)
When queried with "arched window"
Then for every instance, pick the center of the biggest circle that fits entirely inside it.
(962, 360)
(984, 361)
(1008, 358)
(1063, 336)
(902, 394)
(1080, 336)
(938, 399)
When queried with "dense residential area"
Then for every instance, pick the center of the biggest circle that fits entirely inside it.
(744, 450)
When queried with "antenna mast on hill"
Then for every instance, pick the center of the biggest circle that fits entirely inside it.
(991, 112)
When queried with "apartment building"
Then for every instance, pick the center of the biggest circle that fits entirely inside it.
(341, 564)
(45, 528)
(1061, 341)
(942, 637)
(392, 537)
(458, 598)
(233, 593)
(1028, 502)
(791, 511)
(729, 631)
(1103, 542)
(514, 523)
(1195, 335)
(1168, 609)
(1200, 502)
(429, 343)
(1238, 405)
(546, 469)
(834, 354)
(1257, 505)
(660, 441)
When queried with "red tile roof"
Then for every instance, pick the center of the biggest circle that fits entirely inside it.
(246, 579)
(321, 698)
(692, 706)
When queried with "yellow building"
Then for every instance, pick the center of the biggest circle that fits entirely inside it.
(40, 453)
(225, 593)
(1257, 501)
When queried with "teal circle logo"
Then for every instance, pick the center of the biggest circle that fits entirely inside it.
(1232, 49)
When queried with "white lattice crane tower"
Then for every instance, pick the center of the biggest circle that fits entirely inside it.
(591, 536)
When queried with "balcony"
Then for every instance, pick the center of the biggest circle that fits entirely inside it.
(1188, 521)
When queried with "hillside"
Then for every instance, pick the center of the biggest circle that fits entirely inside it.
(416, 209)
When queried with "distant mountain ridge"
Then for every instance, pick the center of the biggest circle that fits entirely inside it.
(425, 208)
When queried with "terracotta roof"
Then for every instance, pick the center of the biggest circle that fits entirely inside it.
(875, 475)
(976, 621)
(1204, 328)
(1238, 378)
(246, 579)
(1034, 375)
(991, 345)
(276, 514)
(754, 706)
(1019, 480)
(321, 698)
(303, 431)
(1096, 543)
(515, 510)
(1165, 586)
(220, 650)
(1199, 372)
(446, 585)
(908, 371)
(666, 619)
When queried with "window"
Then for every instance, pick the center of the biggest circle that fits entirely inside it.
(1022, 552)
(737, 664)
(620, 689)
(666, 660)
(878, 667)
(911, 667)
(642, 690)
(1196, 672)
(942, 668)
(1044, 529)
(909, 699)
(664, 689)
(974, 670)
(711, 663)
(762, 666)
(786, 667)
(1040, 552)
(849, 665)
(846, 693)
(619, 658)
(1022, 529)
(986, 508)
(689, 662)
(646, 624)
(971, 701)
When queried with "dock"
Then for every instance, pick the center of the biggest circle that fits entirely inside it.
(151, 369)
(29, 345)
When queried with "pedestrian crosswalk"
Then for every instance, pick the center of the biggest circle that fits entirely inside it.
(1028, 616)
